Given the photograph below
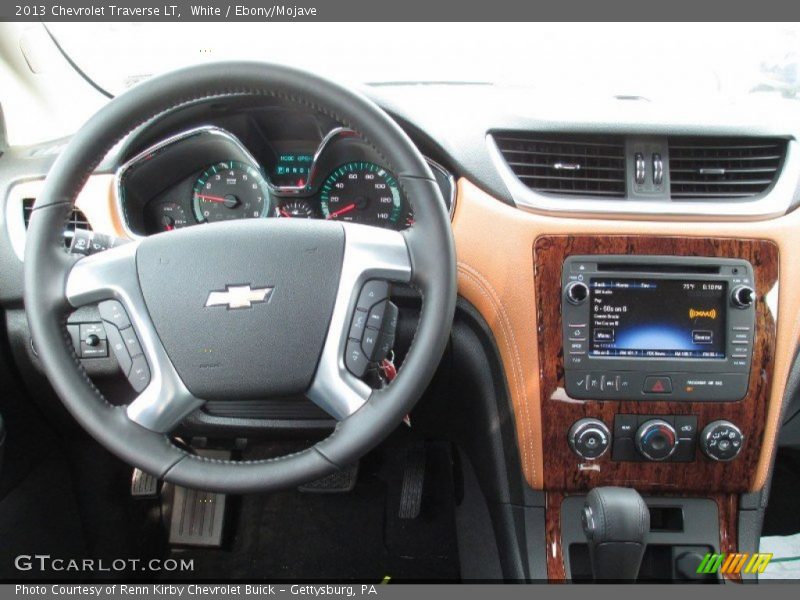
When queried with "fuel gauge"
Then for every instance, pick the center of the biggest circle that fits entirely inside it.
(171, 215)
(297, 209)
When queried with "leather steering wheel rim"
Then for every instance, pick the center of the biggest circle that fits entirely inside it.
(430, 254)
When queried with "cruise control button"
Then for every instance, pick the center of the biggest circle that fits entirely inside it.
(131, 341)
(657, 385)
(113, 312)
(390, 318)
(354, 358)
(118, 348)
(139, 376)
(373, 292)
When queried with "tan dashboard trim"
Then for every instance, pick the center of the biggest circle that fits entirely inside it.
(494, 244)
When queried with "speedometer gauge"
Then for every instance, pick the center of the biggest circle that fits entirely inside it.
(230, 190)
(363, 192)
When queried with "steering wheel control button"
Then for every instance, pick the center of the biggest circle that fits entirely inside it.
(656, 440)
(354, 358)
(657, 385)
(373, 292)
(589, 438)
(131, 341)
(369, 343)
(118, 348)
(359, 324)
(139, 375)
(113, 312)
(375, 319)
(721, 440)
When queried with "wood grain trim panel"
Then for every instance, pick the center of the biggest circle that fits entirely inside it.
(727, 509)
(494, 245)
(563, 469)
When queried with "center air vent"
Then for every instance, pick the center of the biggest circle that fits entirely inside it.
(76, 219)
(574, 165)
(710, 167)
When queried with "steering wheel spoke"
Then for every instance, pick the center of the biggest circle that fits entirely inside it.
(110, 279)
(369, 254)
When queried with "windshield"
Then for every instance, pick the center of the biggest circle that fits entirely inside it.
(651, 60)
(43, 97)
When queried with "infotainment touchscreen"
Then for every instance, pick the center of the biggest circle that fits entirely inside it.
(658, 318)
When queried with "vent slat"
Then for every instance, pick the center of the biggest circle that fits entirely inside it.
(568, 164)
(711, 168)
(75, 220)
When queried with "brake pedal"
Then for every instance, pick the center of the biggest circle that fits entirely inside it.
(143, 485)
(413, 482)
(335, 483)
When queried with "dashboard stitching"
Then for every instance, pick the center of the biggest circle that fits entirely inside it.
(486, 289)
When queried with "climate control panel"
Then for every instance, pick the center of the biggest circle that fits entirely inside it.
(654, 438)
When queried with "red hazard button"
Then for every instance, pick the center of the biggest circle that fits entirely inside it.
(657, 385)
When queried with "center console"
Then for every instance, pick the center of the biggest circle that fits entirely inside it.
(655, 363)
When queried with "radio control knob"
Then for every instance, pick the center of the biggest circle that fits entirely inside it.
(721, 440)
(743, 296)
(656, 439)
(577, 292)
(589, 438)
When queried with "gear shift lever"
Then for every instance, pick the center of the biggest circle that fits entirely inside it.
(616, 522)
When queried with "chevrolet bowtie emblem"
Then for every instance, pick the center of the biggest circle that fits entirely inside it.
(238, 296)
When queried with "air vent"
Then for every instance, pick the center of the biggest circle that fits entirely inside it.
(76, 220)
(706, 168)
(572, 165)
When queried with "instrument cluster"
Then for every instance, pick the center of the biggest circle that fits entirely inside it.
(207, 175)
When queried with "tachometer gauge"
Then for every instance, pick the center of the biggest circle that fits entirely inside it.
(230, 190)
(363, 192)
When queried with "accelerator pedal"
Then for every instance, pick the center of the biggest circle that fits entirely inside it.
(335, 483)
(198, 517)
(413, 481)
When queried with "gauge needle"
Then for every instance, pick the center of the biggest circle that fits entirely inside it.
(211, 198)
(285, 213)
(341, 211)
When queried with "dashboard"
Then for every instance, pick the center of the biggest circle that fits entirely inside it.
(207, 174)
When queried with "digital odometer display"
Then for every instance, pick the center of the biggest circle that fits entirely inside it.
(657, 318)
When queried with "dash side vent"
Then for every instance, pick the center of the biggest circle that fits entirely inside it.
(566, 164)
(76, 219)
(705, 168)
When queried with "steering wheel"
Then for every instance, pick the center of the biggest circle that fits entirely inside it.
(291, 288)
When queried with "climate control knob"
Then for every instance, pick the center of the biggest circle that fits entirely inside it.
(589, 438)
(577, 292)
(656, 439)
(721, 440)
(743, 296)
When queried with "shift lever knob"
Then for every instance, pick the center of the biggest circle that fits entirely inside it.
(616, 522)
